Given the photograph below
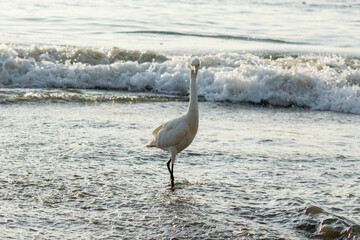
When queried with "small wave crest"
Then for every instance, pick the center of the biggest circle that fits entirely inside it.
(74, 55)
(219, 36)
(73, 95)
(317, 82)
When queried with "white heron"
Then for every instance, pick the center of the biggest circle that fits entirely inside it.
(177, 134)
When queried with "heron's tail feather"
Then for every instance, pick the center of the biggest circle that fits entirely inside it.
(156, 130)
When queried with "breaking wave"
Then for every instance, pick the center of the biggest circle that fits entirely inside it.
(318, 82)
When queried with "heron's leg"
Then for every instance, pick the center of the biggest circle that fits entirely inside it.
(173, 153)
(171, 172)
(168, 165)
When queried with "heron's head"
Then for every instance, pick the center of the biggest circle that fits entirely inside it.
(195, 64)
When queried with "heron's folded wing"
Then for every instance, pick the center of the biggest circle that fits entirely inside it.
(172, 134)
(156, 130)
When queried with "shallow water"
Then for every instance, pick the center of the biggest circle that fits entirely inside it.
(79, 169)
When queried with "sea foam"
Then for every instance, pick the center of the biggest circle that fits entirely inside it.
(319, 82)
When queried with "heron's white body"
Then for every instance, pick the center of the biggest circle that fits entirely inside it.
(177, 134)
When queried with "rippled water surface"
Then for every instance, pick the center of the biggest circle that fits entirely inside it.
(80, 169)
(185, 25)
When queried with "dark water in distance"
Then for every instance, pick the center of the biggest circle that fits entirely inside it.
(183, 26)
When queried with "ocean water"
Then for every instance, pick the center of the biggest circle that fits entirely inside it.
(84, 83)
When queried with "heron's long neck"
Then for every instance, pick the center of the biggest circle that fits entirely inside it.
(193, 101)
